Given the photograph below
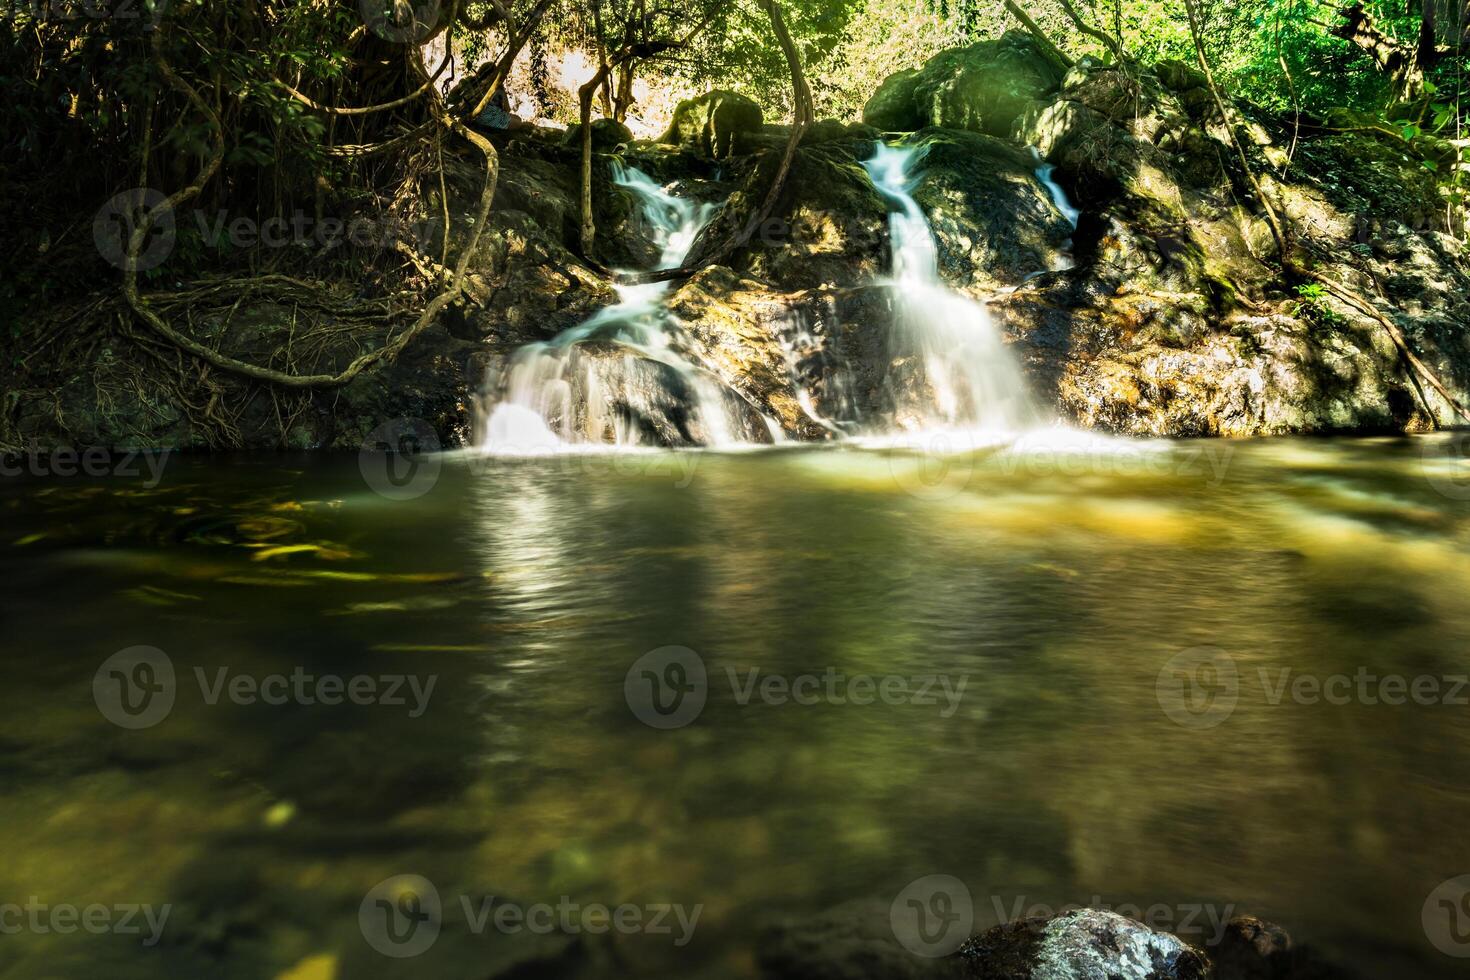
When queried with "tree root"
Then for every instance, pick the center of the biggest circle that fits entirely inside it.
(1418, 369)
(388, 352)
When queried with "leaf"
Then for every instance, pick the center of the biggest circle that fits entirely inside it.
(321, 551)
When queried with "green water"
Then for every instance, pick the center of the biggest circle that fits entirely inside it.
(1058, 587)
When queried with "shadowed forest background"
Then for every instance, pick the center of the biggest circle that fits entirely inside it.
(331, 191)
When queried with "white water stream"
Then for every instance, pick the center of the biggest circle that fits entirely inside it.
(954, 376)
(970, 382)
(537, 407)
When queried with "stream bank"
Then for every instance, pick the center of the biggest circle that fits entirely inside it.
(1172, 320)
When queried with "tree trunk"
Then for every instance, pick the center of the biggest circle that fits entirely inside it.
(623, 100)
(1053, 53)
(585, 96)
(1394, 58)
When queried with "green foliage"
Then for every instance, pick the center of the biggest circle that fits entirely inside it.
(1313, 305)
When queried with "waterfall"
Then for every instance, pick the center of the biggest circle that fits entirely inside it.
(1044, 173)
(967, 380)
(590, 384)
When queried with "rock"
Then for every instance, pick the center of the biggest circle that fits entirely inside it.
(815, 362)
(982, 88)
(1085, 944)
(535, 289)
(829, 225)
(607, 135)
(824, 131)
(993, 221)
(1177, 76)
(609, 391)
(714, 124)
(542, 183)
(1252, 949)
(1167, 326)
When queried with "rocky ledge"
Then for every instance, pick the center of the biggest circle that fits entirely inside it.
(1164, 312)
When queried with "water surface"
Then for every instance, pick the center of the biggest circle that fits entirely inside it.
(1058, 585)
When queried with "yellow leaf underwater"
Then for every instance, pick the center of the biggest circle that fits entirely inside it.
(328, 552)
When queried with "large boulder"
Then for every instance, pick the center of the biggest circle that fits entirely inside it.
(607, 135)
(1177, 320)
(983, 88)
(714, 124)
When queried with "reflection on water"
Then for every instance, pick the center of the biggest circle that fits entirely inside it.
(1057, 582)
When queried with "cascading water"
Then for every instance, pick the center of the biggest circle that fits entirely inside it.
(568, 392)
(969, 380)
(1044, 173)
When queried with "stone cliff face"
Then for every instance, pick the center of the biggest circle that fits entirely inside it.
(1164, 312)
(1174, 318)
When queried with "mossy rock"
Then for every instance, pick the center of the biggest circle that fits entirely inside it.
(1364, 173)
(1177, 76)
(607, 135)
(983, 88)
(714, 124)
(824, 131)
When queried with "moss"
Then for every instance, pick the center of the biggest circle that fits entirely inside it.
(1363, 173)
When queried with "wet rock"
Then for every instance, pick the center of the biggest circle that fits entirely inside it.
(815, 362)
(829, 226)
(993, 221)
(1086, 944)
(714, 124)
(531, 288)
(982, 88)
(612, 393)
(1253, 949)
